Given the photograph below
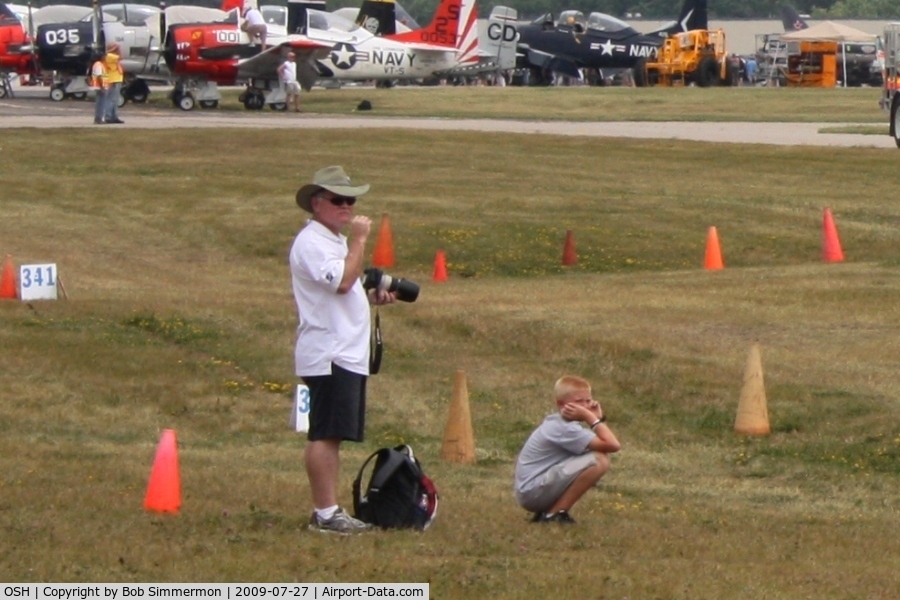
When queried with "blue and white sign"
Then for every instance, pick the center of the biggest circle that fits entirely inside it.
(300, 414)
(38, 282)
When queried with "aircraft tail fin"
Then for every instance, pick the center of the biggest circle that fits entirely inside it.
(693, 15)
(378, 17)
(6, 14)
(791, 19)
(453, 27)
(497, 37)
(228, 5)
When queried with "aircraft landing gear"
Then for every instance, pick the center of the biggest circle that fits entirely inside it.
(253, 99)
(279, 106)
(209, 103)
(186, 102)
(137, 91)
(57, 93)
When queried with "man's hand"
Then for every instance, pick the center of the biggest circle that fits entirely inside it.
(381, 297)
(360, 227)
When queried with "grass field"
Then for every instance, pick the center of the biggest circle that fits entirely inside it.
(172, 247)
(838, 105)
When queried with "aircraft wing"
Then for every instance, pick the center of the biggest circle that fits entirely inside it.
(265, 64)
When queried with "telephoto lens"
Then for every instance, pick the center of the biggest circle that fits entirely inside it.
(376, 279)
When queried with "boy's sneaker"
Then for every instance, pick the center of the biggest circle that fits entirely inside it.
(340, 522)
(560, 517)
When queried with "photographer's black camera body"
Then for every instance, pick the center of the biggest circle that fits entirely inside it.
(376, 279)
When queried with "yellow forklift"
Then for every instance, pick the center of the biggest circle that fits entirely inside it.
(696, 57)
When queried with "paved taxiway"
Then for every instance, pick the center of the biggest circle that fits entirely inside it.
(32, 108)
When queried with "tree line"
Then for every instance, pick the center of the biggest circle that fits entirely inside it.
(422, 10)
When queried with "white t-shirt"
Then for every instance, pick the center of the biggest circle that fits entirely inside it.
(288, 71)
(254, 17)
(333, 327)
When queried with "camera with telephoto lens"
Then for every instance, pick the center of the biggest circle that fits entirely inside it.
(376, 279)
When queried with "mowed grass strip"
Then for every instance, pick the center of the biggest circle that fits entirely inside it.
(757, 104)
(173, 247)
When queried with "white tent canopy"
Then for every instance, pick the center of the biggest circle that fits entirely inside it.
(829, 31)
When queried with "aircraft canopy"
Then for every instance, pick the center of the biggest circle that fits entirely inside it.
(603, 22)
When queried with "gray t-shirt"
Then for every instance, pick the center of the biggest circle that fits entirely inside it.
(553, 441)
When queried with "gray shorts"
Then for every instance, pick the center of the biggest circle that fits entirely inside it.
(544, 493)
(292, 88)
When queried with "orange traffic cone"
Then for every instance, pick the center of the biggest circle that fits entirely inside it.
(8, 280)
(440, 267)
(164, 489)
(569, 258)
(831, 244)
(713, 260)
(384, 245)
(753, 414)
(459, 441)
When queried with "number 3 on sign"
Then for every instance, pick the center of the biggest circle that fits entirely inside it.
(38, 282)
(300, 413)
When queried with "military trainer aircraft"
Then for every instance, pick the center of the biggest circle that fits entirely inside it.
(599, 41)
(16, 55)
(219, 53)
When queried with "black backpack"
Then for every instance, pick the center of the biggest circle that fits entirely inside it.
(399, 494)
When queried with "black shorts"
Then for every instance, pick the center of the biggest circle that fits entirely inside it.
(337, 405)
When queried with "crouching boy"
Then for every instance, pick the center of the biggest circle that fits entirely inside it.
(566, 455)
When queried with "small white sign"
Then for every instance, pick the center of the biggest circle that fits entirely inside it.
(300, 413)
(38, 282)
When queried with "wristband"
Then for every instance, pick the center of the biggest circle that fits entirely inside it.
(597, 422)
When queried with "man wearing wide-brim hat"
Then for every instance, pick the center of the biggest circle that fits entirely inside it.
(332, 350)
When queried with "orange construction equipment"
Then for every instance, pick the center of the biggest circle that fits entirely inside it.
(831, 244)
(812, 64)
(8, 280)
(164, 488)
(713, 260)
(569, 257)
(384, 245)
(440, 267)
(459, 441)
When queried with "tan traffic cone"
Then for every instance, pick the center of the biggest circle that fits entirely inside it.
(752, 414)
(383, 256)
(569, 257)
(164, 487)
(459, 442)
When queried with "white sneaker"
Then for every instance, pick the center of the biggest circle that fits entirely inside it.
(340, 522)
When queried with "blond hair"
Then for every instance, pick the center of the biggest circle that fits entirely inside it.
(569, 384)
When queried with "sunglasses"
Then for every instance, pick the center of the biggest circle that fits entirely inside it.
(342, 200)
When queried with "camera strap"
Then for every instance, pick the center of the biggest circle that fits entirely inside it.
(376, 346)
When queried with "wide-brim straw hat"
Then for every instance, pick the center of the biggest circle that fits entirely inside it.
(333, 179)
